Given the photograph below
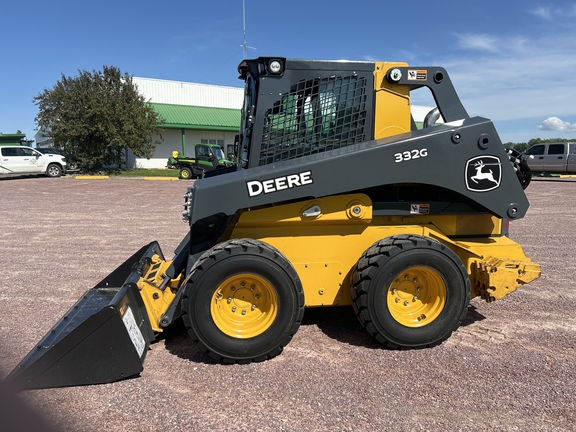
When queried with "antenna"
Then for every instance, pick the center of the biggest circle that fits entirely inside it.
(244, 45)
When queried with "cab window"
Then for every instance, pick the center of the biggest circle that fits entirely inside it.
(536, 150)
(555, 149)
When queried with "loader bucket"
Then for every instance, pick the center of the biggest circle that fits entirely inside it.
(102, 338)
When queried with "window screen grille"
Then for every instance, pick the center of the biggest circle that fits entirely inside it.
(314, 116)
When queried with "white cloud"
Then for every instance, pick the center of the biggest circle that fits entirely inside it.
(543, 12)
(480, 42)
(551, 14)
(556, 124)
(526, 78)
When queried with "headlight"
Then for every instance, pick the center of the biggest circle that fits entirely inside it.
(275, 67)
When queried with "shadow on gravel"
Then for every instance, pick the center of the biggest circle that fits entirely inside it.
(338, 323)
(9, 177)
(341, 324)
(178, 343)
(555, 179)
(472, 316)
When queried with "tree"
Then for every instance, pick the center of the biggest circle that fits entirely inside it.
(96, 116)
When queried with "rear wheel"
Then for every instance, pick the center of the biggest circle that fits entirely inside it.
(410, 291)
(243, 302)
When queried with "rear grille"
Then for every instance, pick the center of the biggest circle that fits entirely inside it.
(314, 116)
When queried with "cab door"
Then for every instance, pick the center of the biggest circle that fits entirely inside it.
(203, 157)
(33, 160)
(536, 157)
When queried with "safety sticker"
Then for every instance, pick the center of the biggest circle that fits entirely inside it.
(134, 332)
(417, 75)
(419, 208)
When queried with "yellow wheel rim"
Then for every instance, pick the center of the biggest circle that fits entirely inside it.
(417, 297)
(185, 174)
(244, 306)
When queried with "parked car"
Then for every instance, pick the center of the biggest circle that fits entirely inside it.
(552, 157)
(71, 166)
(23, 160)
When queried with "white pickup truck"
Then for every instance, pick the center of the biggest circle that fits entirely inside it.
(21, 160)
(552, 157)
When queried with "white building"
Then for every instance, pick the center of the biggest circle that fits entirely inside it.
(193, 113)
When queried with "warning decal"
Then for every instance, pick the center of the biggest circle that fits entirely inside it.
(419, 208)
(418, 75)
(134, 331)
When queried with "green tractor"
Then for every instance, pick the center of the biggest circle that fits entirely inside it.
(208, 157)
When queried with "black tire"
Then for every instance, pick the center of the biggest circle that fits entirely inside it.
(243, 302)
(523, 171)
(185, 174)
(54, 170)
(384, 282)
(524, 174)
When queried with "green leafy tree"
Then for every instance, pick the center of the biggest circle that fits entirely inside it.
(97, 116)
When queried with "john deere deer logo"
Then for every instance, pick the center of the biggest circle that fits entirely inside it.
(483, 173)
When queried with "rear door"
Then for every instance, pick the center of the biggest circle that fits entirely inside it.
(572, 157)
(555, 158)
(12, 160)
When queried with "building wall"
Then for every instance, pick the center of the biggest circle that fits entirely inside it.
(191, 94)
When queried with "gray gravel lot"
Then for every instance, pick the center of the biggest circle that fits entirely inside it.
(511, 366)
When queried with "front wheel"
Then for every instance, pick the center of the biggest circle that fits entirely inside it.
(185, 173)
(53, 170)
(243, 302)
(410, 291)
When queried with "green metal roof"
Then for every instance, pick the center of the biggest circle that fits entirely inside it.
(193, 117)
(16, 139)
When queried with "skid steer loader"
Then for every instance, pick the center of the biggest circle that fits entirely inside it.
(338, 197)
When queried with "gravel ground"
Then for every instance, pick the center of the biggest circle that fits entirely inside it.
(511, 366)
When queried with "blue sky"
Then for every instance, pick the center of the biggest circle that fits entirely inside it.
(511, 61)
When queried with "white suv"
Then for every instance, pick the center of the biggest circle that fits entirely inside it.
(23, 160)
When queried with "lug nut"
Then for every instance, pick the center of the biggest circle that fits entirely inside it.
(229, 299)
(233, 308)
(406, 302)
(243, 311)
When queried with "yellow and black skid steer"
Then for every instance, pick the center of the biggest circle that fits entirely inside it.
(338, 197)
